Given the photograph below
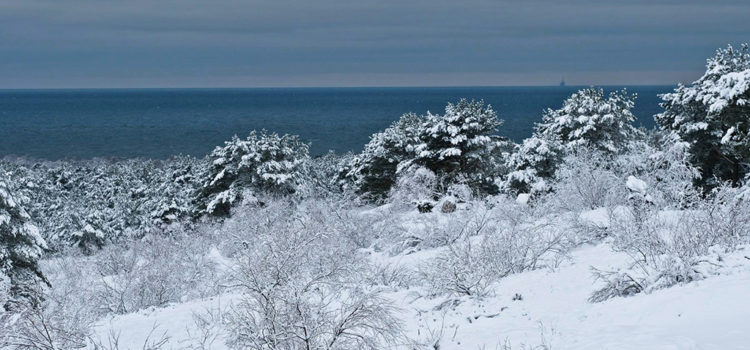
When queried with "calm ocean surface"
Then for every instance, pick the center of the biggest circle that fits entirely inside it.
(158, 123)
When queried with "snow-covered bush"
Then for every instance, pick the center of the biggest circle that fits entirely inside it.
(663, 162)
(711, 114)
(415, 185)
(589, 120)
(586, 181)
(493, 245)
(390, 275)
(302, 288)
(21, 247)
(674, 247)
(374, 171)
(461, 145)
(532, 166)
(37, 328)
(64, 319)
(262, 162)
(153, 272)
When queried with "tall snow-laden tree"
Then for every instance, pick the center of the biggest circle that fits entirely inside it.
(713, 115)
(587, 119)
(461, 145)
(532, 166)
(21, 246)
(262, 162)
(374, 171)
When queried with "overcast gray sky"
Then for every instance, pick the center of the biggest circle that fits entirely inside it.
(232, 43)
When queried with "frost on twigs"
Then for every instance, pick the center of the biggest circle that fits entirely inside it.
(302, 289)
(669, 248)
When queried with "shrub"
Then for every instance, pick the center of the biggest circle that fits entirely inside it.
(587, 181)
(414, 186)
(668, 248)
(154, 272)
(490, 247)
(301, 289)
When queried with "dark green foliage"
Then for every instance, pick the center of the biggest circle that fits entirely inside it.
(460, 146)
(263, 162)
(374, 171)
(713, 115)
(21, 246)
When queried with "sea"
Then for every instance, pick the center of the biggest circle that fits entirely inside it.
(159, 123)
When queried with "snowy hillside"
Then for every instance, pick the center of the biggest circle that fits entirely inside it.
(547, 308)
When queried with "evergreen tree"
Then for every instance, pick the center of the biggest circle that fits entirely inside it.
(713, 115)
(588, 120)
(374, 171)
(461, 145)
(532, 166)
(21, 246)
(262, 162)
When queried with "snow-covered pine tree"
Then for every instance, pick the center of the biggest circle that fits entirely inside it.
(170, 199)
(262, 162)
(588, 119)
(713, 115)
(373, 172)
(21, 246)
(461, 145)
(532, 166)
(327, 175)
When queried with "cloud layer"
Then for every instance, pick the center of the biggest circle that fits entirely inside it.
(138, 43)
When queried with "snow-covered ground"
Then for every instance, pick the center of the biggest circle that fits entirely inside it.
(544, 307)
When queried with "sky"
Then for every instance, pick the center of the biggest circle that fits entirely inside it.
(288, 43)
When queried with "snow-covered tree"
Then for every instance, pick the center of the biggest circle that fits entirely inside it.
(327, 175)
(532, 166)
(169, 198)
(461, 145)
(21, 246)
(90, 203)
(374, 171)
(713, 115)
(262, 162)
(587, 119)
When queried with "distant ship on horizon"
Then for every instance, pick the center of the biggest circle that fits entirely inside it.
(562, 82)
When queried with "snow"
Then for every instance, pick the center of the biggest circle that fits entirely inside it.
(727, 136)
(523, 198)
(597, 217)
(636, 185)
(175, 322)
(709, 314)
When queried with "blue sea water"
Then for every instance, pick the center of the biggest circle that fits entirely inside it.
(158, 123)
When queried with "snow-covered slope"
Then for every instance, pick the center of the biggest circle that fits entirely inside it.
(546, 307)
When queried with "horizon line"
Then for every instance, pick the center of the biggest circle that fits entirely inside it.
(324, 87)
